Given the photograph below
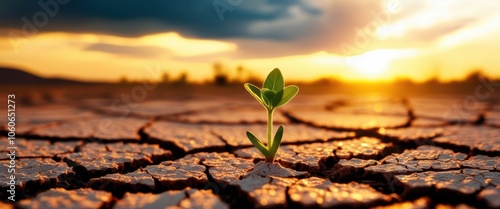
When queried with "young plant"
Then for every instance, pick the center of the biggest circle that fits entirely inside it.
(273, 94)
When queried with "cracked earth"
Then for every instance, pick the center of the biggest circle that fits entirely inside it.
(371, 152)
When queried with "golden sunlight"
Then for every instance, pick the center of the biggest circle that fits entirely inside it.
(376, 65)
(371, 65)
(171, 42)
(187, 47)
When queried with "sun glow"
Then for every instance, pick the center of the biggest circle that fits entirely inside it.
(372, 64)
(375, 64)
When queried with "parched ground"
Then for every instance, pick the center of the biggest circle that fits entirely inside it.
(363, 152)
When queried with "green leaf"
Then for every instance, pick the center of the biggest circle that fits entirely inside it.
(288, 94)
(276, 141)
(274, 81)
(254, 91)
(268, 96)
(258, 144)
(277, 98)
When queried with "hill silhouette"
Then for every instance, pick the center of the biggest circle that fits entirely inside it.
(13, 76)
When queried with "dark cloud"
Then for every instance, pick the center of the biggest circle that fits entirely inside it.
(135, 18)
(339, 24)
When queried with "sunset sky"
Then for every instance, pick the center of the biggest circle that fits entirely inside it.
(355, 40)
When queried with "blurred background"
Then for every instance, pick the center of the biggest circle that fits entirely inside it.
(94, 48)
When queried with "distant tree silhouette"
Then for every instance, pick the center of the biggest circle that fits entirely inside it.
(165, 78)
(182, 79)
(433, 81)
(221, 77)
(240, 70)
(326, 81)
(474, 76)
(403, 81)
(123, 80)
(252, 77)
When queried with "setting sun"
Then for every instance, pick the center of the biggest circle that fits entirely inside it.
(374, 65)
(371, 65)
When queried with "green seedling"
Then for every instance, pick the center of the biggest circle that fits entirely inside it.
(273, 94)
